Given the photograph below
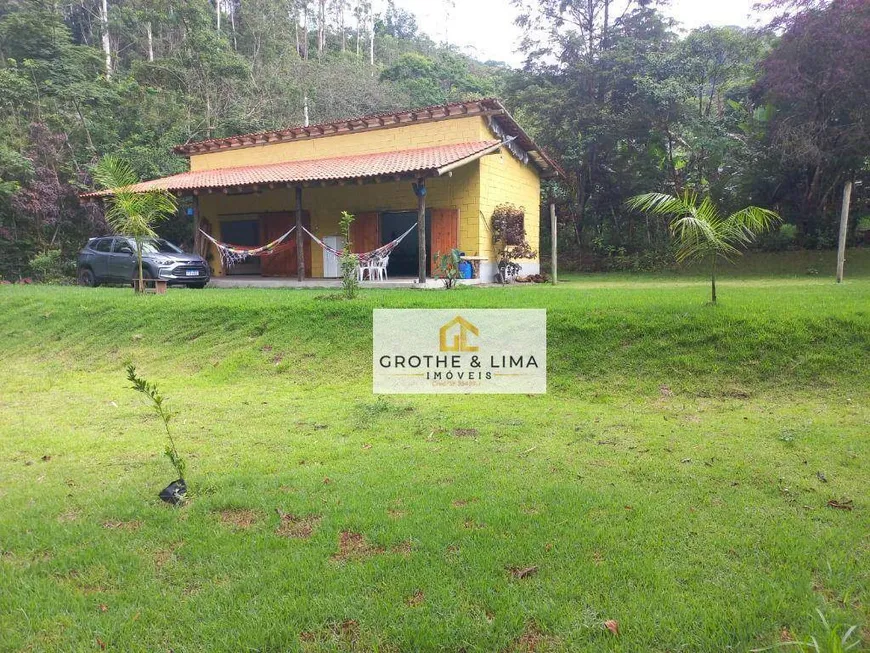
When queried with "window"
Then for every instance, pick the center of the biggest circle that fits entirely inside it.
(103, 245)
(159, 246)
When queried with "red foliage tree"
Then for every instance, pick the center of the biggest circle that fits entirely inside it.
(816, 79)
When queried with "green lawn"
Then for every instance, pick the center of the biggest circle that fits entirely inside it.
(676, 478)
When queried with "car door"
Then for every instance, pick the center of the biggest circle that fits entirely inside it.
(122, 260)
(99, 257)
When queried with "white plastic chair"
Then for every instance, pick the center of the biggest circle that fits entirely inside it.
(370, 266)
(380, 266)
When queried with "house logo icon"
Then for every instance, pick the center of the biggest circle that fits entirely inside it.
(453, 336)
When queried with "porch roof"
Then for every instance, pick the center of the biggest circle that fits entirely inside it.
(383, 166)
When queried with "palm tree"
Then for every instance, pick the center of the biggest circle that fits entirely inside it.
(129, 212)
(701, 230)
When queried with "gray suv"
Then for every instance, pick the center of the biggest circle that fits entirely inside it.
(112, 259)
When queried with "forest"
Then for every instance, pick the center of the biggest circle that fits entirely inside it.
(776, 116)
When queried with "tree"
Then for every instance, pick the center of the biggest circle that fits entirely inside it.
(701, 231)
(816, 81)
(594, 92)
(133, 214)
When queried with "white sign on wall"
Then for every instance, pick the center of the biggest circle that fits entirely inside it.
(459, 351)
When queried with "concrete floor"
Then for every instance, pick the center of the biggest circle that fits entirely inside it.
(256, 281)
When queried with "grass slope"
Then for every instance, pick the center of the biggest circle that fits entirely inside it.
(675, 479)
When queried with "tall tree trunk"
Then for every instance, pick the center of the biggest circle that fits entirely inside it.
(217, 11)
(233, 25)
(372, 40)
(141, 286)
(341, 26)
(104, 29)
(305, 31)
(296, 33)
(844, 229)
(150, 41)
(321, 27)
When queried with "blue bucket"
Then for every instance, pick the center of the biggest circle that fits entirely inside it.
(465, 270)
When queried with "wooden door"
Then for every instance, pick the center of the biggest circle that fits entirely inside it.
(445, 230)
(283, 264)
(365, 233)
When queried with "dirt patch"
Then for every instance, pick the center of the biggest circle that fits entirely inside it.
(402, 548)
(465, 433)
(523, 572)
(472, 525)
(123, 525)
(735, 392)
(396, 514)
(68, 516)
(240, 518)
(354, 546)
(346, 634)
(532, 641)
(416, 599)
(164, 556)
(295, 526)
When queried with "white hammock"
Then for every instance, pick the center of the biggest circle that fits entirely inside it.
(364, 257)
(232, 254)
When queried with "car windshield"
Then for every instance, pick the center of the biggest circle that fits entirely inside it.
(159, 246)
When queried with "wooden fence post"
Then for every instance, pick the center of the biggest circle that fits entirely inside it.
(844, 224)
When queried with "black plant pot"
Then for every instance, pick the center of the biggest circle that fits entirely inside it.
(174, 492)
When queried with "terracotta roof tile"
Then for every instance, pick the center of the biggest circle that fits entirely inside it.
(423, 160)
(491, 108)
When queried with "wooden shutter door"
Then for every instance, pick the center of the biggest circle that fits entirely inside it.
(283, 264)
(445, 230)
(365, 232)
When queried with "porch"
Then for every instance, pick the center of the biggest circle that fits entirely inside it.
(258, 281)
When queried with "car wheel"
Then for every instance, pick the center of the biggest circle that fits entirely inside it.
(87, 278)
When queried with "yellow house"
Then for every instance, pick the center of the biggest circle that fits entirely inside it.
(451, 163)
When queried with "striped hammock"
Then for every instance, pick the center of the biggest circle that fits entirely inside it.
(364, 257)
(232, 254)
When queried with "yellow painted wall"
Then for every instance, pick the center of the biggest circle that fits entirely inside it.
(475, 189)
(459, 191)
(505, 179)
(406, 137)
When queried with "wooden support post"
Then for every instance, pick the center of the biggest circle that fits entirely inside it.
(844, 229)
(554, 245)
(197, 237)
(420, 192)
(300, 252)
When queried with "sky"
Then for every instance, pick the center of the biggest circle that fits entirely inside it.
(485, 29)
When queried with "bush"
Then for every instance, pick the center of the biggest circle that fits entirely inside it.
(50, 266)
(448, 267)
(15, 258)
(785, 238)
(509, 240)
